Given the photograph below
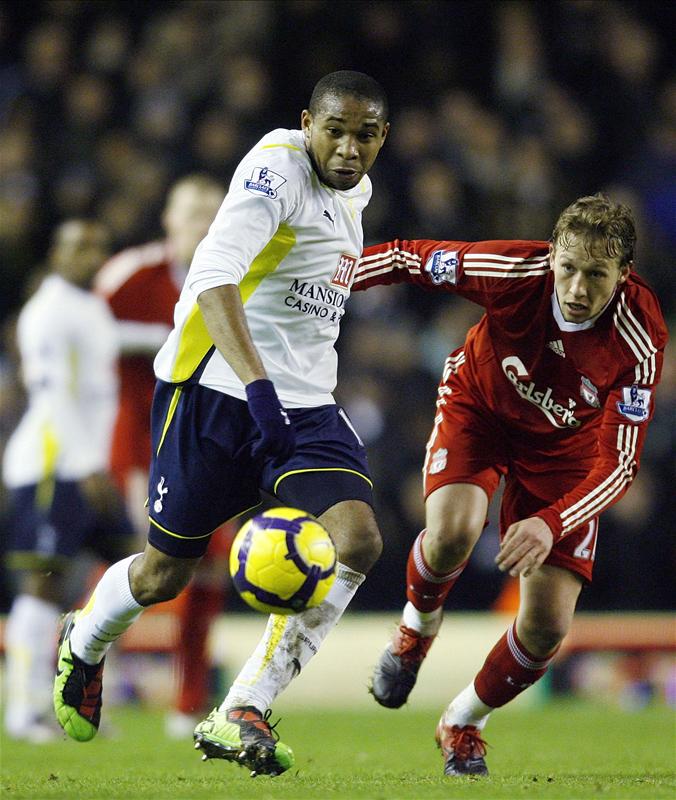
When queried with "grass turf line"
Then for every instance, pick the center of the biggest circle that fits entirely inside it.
(565, 751)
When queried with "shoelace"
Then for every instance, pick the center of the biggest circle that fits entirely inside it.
(273, 731)
(412, 644)
(263, 722)
(466, 743)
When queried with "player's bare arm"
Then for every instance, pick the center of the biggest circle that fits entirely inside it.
(526, 545)
(224, 318)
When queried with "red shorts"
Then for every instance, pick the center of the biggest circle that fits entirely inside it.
(470, 445)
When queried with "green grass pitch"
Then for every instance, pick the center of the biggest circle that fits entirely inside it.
(564, 750)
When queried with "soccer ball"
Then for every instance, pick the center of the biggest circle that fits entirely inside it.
(283, 561)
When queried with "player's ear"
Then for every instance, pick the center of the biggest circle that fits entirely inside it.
(624, 272)
(306, 123)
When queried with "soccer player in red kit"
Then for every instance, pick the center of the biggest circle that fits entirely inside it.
(142, 285)
(552, 391)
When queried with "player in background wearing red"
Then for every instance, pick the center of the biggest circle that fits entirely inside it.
(142, 285)
(552, 391)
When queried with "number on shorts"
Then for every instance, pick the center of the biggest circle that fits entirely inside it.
(587, 547)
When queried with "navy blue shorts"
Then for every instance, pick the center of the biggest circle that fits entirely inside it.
(202, 472)
(50, 531)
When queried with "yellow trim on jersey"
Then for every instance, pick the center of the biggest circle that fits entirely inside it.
(320, 469)
(288, 147)
(267, 261)
(193, 345)
(44, 493)
(170, 415)
(195, 340)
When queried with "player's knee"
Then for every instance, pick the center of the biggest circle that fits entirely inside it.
(45, 584)
(448, 546)
(542, 635)
(157, 581)
(361, 551)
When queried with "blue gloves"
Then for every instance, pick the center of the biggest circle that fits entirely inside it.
(278, 437)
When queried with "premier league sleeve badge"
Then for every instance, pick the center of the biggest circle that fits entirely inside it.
(265, 182)
(442, 266)
(635, 403)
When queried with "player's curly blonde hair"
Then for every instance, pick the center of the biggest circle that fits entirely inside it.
(598, 221)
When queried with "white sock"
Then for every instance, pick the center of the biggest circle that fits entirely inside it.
(427, 623)
(287, 645)
(467, 709)
(30, 641)
(109, 612)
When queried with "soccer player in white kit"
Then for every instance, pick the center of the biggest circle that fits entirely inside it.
(244, 402)
(55, 464)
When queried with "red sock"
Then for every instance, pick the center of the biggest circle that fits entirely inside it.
(200, 606)
(425, 588)
(508, 670)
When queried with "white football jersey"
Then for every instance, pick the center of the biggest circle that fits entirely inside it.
(67, 340)
(291, 244)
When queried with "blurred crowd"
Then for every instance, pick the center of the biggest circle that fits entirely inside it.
(502, 113)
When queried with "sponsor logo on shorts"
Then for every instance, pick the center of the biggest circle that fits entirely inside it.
(442, 266)
(158, 505)
(438, 460)
(264, 181)
(635, 404)
(559, 415)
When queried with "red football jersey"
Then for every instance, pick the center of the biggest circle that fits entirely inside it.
(142, 286)
(566, 393)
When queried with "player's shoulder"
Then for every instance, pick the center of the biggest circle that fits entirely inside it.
(124, 266)
(281, 148)
(58, 304)
(638, 312)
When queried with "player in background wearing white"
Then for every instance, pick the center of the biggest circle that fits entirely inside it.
(552, 390)
(244, 402)
(142, 285)
(55, 464)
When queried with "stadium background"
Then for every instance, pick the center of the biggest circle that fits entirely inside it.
(502, 113)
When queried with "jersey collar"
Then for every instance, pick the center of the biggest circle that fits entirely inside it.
(570, 327)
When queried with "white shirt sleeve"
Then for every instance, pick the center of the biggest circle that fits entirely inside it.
(248, 217)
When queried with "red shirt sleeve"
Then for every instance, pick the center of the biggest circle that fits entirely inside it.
(480, 271)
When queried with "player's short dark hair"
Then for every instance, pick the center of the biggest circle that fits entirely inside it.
(597, 220)
(349, 83)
